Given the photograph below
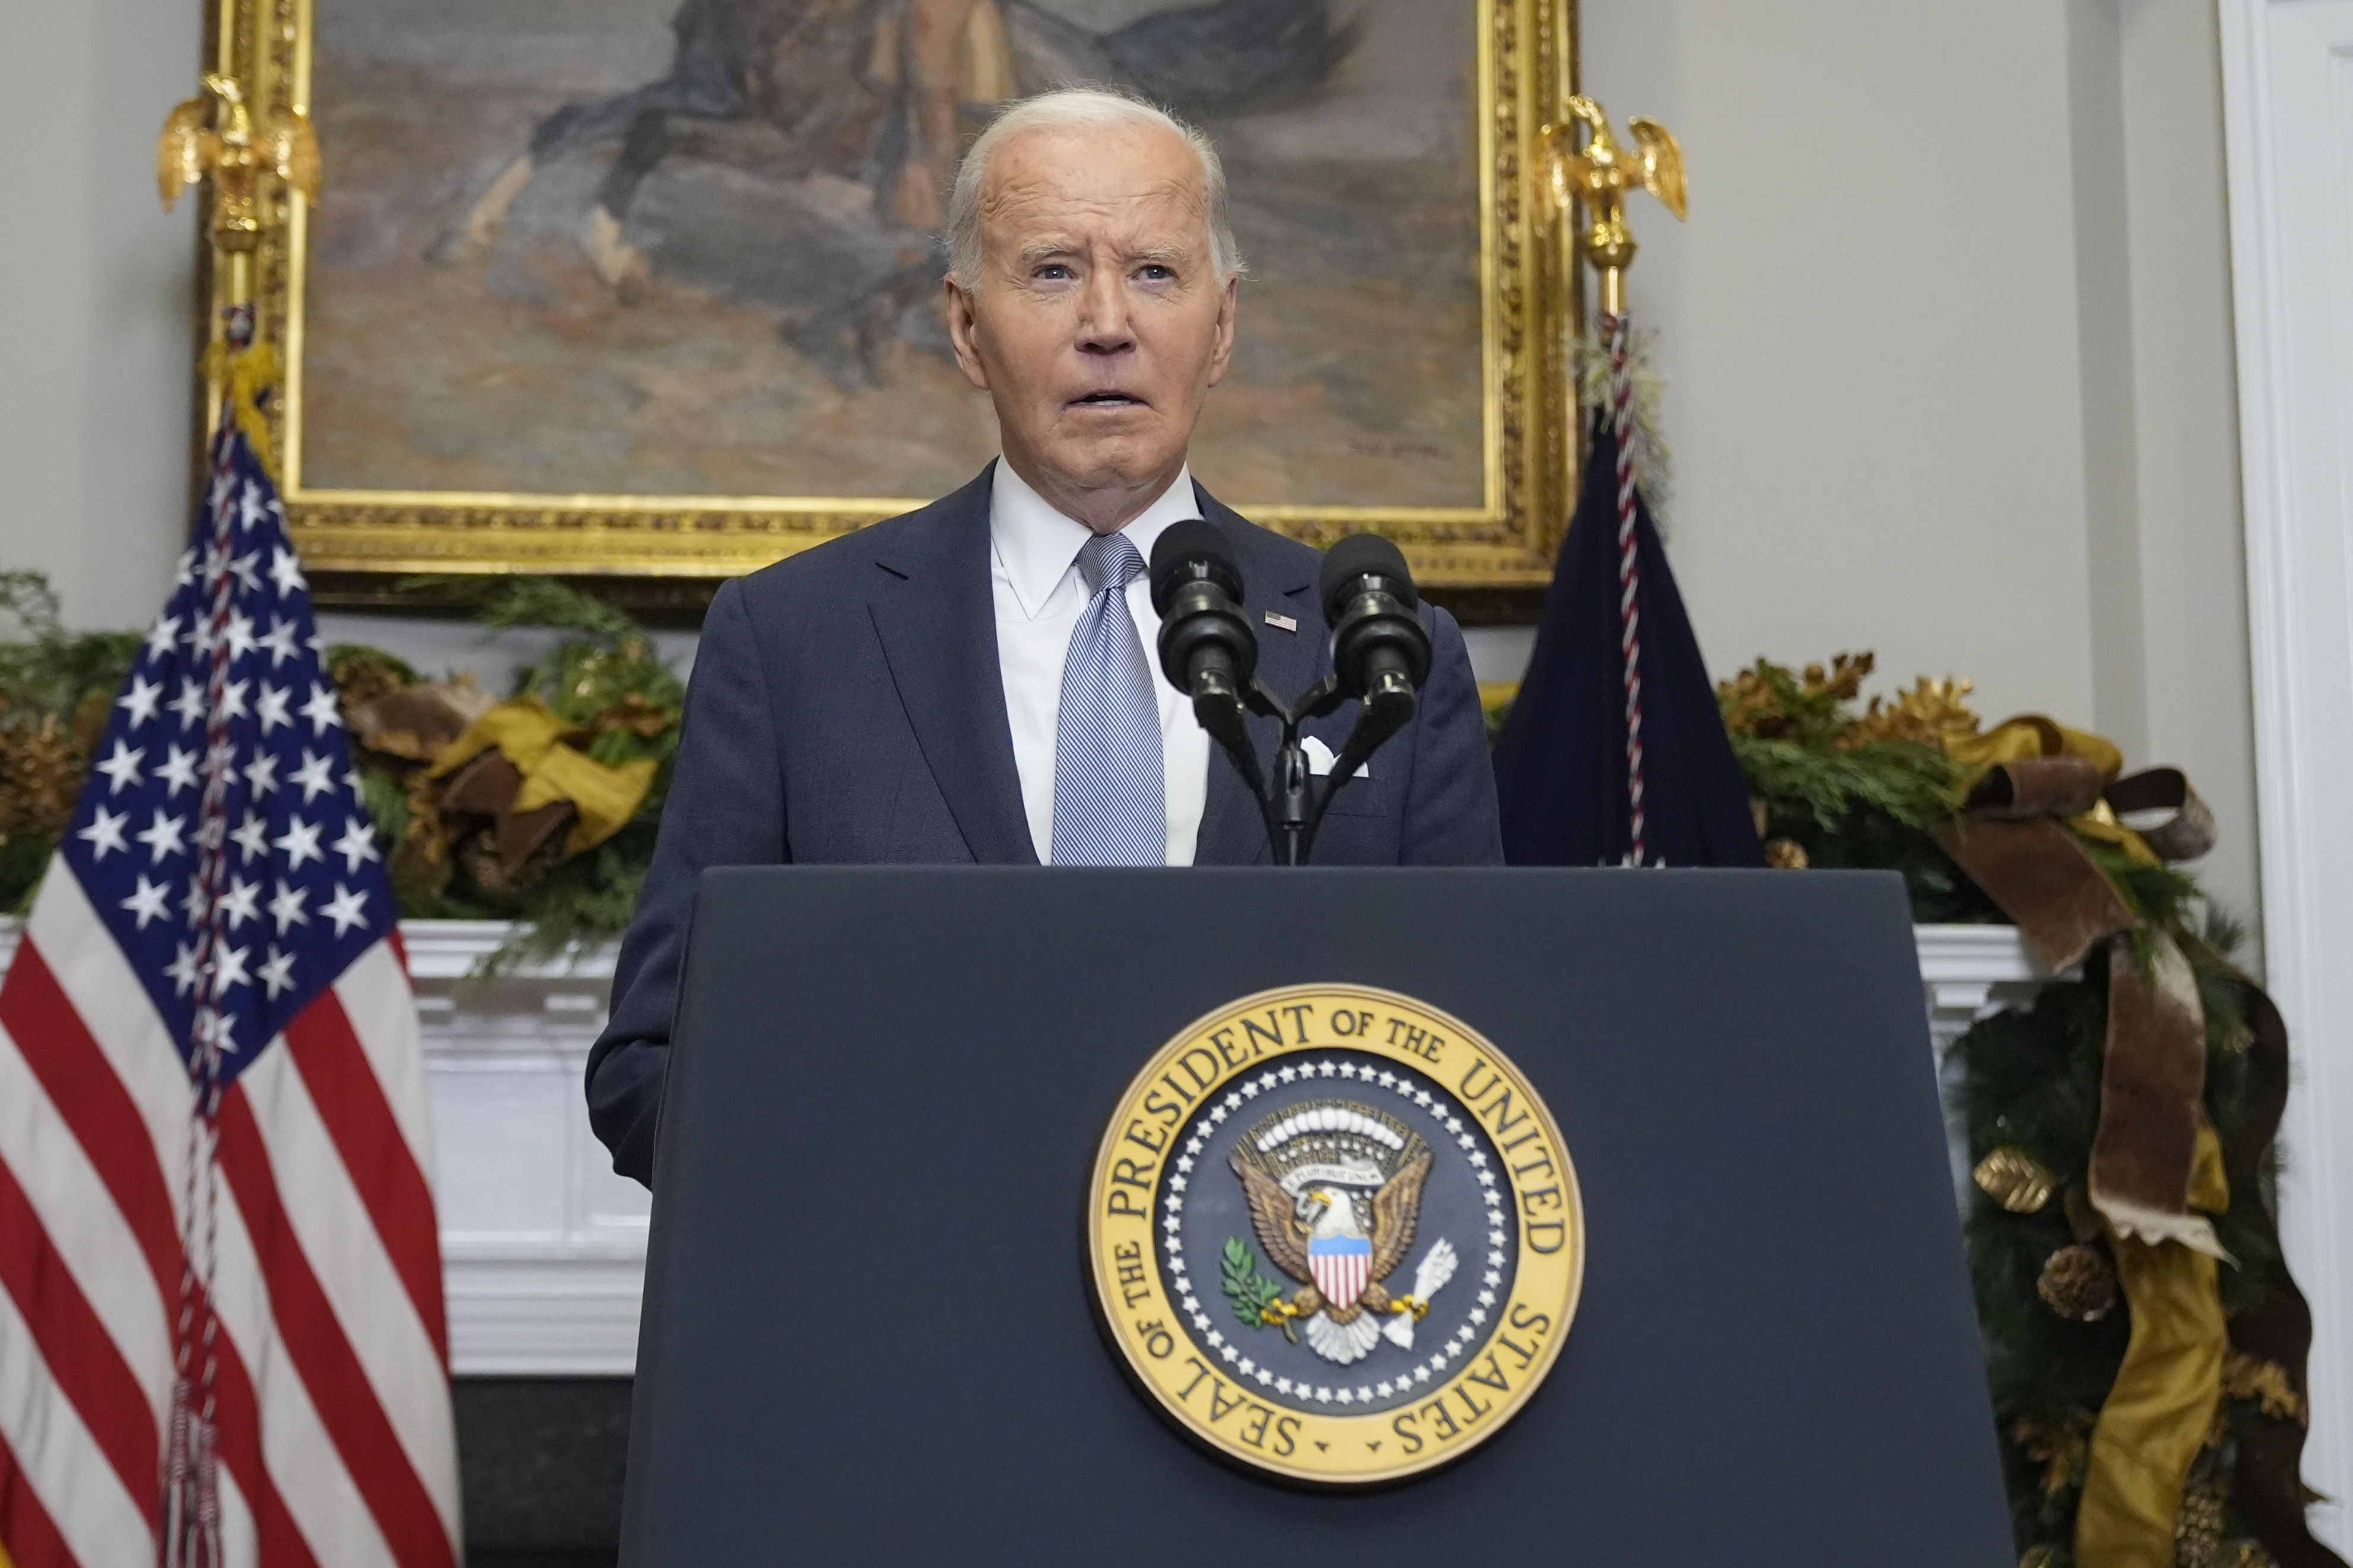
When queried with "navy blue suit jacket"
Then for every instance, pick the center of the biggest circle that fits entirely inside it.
(847, 708)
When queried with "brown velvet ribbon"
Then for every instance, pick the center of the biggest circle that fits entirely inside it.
(2155, 1161)
(2017, 841)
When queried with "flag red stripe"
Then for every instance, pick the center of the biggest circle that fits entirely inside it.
(384, 1169)
(339, 1387)
(97, 1109)
(83, 1356)
(28, 1534)
(81, 1083)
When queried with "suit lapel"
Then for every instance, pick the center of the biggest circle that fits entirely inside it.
(1233, 829)
(936, 612)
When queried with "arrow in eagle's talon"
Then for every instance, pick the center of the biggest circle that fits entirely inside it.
(1279, 1313)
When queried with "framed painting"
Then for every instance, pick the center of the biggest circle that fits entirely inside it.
(652, 288)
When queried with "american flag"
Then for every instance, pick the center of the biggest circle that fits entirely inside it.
(221, 1327)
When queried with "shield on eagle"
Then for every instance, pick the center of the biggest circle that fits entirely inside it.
(1342, 1266)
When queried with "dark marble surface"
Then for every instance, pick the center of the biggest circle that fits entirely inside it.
(540, 1461)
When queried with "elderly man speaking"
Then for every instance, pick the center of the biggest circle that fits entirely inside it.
(970, 682)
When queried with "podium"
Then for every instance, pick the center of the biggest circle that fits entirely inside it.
(869, 1333)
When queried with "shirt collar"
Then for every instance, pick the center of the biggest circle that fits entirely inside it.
(1039, 545)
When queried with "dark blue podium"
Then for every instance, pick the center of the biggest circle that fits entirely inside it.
(868, 1333)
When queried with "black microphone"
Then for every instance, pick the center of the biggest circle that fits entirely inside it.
(1206, 647)
(1379, 651)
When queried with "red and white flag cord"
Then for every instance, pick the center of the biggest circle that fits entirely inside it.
(191, 1517)
(1629, 609)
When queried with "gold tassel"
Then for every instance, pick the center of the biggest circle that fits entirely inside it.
(251, 374)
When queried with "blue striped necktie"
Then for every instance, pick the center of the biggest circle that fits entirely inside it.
(1110, 808)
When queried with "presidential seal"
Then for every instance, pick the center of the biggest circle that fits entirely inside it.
(1335, 1235)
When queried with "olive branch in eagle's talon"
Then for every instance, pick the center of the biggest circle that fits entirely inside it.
(1256, 1300)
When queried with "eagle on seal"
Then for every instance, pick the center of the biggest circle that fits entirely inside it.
(1341, 1245)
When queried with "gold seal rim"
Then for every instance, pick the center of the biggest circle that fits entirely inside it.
(1561, 1298)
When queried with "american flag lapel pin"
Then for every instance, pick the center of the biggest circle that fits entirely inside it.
(1287, 623)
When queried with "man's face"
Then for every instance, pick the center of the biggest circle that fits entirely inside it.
(1098, 322)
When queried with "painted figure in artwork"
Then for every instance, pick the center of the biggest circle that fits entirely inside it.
(860, 106)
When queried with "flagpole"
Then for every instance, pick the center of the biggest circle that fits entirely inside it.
(248, 156)
(1596, 177)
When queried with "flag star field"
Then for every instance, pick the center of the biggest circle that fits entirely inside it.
(302, 890)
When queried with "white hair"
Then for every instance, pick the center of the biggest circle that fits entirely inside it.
(1072, 109)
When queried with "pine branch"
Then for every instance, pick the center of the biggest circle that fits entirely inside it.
(524, 601)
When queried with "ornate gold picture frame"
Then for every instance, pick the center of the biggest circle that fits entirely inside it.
(367, 366)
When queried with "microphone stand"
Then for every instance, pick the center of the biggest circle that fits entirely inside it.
(1289, 801)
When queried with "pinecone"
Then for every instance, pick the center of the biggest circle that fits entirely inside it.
(41, 770)
(2077, 1283)
(2198, 1528)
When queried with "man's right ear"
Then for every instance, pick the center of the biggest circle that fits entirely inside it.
(963, 323)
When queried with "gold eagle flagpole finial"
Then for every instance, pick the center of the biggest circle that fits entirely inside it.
(239, 146)
(1600, 174)
(232, 136)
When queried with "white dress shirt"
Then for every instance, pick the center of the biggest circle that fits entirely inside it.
(1034, 569)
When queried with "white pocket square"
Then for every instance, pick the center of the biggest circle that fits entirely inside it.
(1320, 759)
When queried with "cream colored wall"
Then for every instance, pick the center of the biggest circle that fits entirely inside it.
(95, 286)
(1947, 336)
(2194, 654)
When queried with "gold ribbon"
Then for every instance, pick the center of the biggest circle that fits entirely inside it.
(2156, 1416)
(2029, 737)
(526, 731)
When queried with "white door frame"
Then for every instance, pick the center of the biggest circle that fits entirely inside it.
(2287, 93)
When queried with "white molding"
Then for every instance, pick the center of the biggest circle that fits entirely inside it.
(550, 1317)
(1968, 973)
(543, 1248)
(2287, 92)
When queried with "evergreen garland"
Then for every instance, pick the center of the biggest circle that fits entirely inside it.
(1837, 788)
(602, 676)
(1842, 787)
(57, 689)
(605, 679)
(2031, 1081)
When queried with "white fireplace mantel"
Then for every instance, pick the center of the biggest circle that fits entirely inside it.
(544, 1248)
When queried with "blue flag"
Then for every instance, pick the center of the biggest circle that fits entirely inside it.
(1561, 766)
